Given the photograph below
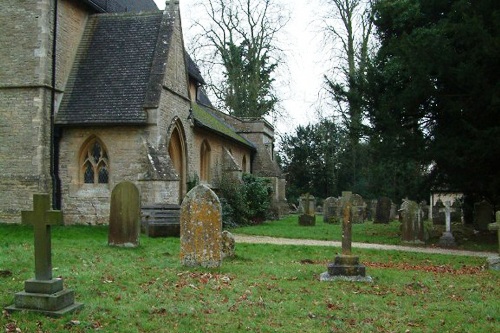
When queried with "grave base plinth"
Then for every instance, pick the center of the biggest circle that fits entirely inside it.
(346, 268)
(447, 240)
(307, 220)
(46, 297)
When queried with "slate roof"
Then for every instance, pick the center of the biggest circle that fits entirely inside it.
(193, 69)
(112, 71)
(116, 6)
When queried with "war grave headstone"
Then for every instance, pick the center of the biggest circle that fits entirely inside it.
(358, 209)
(346, 266)
(383, 210)
(447, 239)
(483, 215)
(44, 294)
(308, 217)
(201, 228)
(412, 226)
(125, 216)
(494, 262)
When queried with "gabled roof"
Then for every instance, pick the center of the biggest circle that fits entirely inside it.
(113, 69)
(193, 69)
(206, 119)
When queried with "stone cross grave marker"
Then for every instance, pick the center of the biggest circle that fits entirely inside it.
(494, 262)
(346, 266)
(346, 226)
(201, 228)
(125, 215)
(42, 217)
(43, 294)
(447, 239)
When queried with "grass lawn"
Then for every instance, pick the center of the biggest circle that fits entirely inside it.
(266, 288)
(367, 232)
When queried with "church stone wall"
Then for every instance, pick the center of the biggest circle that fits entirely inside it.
(71, 21)
(25, 101)
(127, 154)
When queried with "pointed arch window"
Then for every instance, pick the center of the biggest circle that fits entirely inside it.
(205, 161)
(95, 163)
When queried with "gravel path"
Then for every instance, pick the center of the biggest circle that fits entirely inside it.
(287, 241)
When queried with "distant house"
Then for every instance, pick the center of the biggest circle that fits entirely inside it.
(94, 92)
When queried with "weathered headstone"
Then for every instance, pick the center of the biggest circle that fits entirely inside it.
(228, 245)
(308, 217)
(44, 294)
(346, 266)
(412, 227)
(383, 211)
(125, 215)
(483, 215)
(494, 262)
(358, 209)
(330, 210)
(447, 239)
(201, 228)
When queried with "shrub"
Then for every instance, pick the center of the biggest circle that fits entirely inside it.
(244, 201)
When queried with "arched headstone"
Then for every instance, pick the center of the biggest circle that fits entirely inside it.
(201, 228)
(125, 215)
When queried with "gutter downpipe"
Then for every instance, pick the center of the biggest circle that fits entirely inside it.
(55, 132)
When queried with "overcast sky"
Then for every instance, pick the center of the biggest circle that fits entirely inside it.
(301, 79)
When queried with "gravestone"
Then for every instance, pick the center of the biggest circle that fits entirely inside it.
(447, 239)
(44, 294)
(371, 207)
(438, 216)
(346, 266)
(308, 217)
(412, 227)
(125, 216)
(483, 215)
(494, 262)
(228, 245)
(383, 210)
(201, 228)
(358, 209)
(330, 210)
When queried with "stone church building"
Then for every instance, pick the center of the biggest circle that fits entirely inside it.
(95, 92)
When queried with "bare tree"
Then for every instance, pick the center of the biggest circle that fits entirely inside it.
(237, 50)
(348, 28)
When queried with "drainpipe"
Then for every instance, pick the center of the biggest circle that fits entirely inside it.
(55, 132)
